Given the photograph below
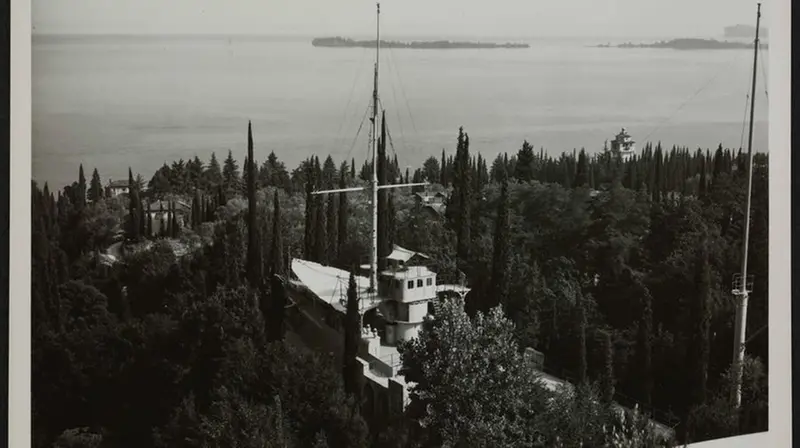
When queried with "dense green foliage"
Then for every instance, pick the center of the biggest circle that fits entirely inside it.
(618, 271)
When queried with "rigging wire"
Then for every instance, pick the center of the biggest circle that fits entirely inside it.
(744, 119)
(692, 97)
(763, 70)
(388, 134)
(397, 104)
(746, 108)
(403, 91)
(344, 115)
(353, 145)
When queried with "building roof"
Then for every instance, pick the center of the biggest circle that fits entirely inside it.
(330, 285)
(179, 206)
(438, 209)
(403, 254)
(119, 184)
(408, 272)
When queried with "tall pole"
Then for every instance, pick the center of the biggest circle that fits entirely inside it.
(373, 261)
(374, 187)
(741, 309)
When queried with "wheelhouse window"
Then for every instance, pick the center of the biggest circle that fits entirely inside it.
(419, 283)
(429, 281)
(411, 284)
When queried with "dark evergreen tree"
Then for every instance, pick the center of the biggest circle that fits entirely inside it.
(231, 179)
(308, 240)
(328, 173)
(149, 219)
(384, 239)
(582, 171)
(431, 170)
(254, 261)
(463, 194)
(703, 183)
(332, 229)
(197, 210)
(81, 192)
(134, 213)
(644, 343)
(582, 361)
(163, 222)
(320, 237)
(96, 188)
(443, 173)
(523, 170)
(342, 216)
(213, 173)
(278, 298)
(699, 353)
(173, 221)
(607, 379)
(499, 286)
(352, 335)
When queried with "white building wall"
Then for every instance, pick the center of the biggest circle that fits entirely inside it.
(406, 331)
(422, 288)
(417, 311)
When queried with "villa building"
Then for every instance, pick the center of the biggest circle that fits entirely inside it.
(623, 145)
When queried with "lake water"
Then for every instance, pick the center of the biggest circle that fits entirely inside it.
(114, 102)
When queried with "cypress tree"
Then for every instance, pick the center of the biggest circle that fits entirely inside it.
(582, 172)
(352, 335)
(567, 178)
(523, 170)
(96, 189)
(320, 239)
(644, 349)
(703, 182)
(278, 297)
(149, 227)
(332, 230)
(328, 173)
(701, 323)
(342, 216)
(308, 241)
(174, 222)
(384, 242)
(353, 168)
(254, 262)
(231, 179)
(607, 381)
(140, 209)
(658, 174)
(133, 209)
(582, 362)
(499, 286)
(162, 226)
(443, 172)
(719, 164)
(81, 192)
(463, 193)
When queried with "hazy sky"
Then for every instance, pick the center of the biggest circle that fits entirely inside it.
(523, 18)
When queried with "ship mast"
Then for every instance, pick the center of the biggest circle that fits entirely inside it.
(373, 255)
(374, 187)
(742, 286)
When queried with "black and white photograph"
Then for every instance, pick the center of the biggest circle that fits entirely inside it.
(473, 223)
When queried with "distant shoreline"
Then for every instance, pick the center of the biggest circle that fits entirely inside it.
(688, 44)
(340, 42)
